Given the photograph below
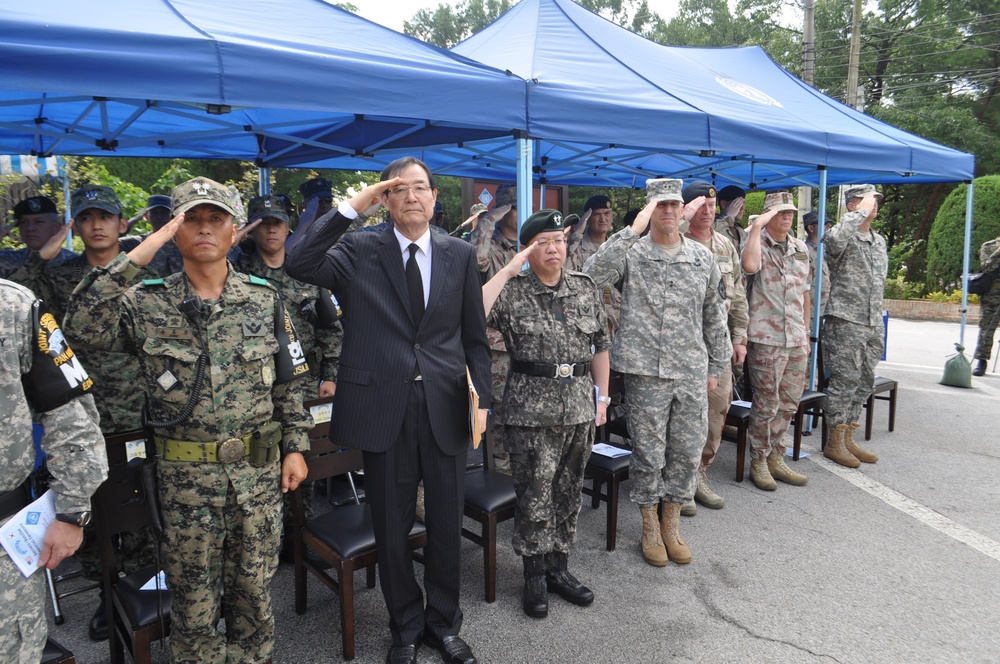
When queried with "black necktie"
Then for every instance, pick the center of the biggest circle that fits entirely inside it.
(415, 285)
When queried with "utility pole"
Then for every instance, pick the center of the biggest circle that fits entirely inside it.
(854, 99)
(808, 75)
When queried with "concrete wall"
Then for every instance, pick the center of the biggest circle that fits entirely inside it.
(927, 310)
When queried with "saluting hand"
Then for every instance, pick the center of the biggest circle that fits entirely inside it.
(144, 253)
(368, 200)
(51, 248)
(692, 208)
(735, 209)
(245, 229)
(641, 222)
(513, 268)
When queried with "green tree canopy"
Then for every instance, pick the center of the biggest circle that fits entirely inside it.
(944, 250)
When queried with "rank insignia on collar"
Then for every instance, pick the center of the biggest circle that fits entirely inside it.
(253, 329)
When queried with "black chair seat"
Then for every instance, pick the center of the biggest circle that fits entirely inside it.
(141, 604)
(738, 412)
(53, 653)
(348, 530)
(489, 491)
(881, 382)
(811, 396)
(609, 464)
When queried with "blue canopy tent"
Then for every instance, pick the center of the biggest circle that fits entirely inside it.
(231, 79)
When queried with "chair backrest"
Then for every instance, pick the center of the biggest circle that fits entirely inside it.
(326, 458)
(117, 504)
(489, 463)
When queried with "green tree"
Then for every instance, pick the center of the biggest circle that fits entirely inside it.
(947, 237)
(447, 25)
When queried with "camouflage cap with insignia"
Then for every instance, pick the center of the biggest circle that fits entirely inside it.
(860, 191)
(94, 196)
(780, 201)
(316, 187)
(201, 191)
(540, 222)
(506, 195)
(664, 189)
(478, 209)
(35, 205)
(261, 207)
(697, 188)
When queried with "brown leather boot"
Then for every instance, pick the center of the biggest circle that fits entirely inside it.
(653, 550)
(836, 450)
(856, 450)
(780, 470)
(760, 473)
(677, 550)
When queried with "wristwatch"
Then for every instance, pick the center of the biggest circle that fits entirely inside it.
(79, 519)
(605, 400)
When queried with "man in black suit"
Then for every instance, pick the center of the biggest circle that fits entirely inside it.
(416, 321)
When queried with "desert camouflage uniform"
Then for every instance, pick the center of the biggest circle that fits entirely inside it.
(989, 303)
(222, 520)
(853, 329)
(737, 316)
(550, 421)
(779, 341)
(580, 248)
(493, 252)
(75, 457)
(673, 336)
(732, 231)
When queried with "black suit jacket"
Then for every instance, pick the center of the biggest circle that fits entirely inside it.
(383, 350)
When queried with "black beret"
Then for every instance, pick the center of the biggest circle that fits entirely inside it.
(698, 188)
(540, 222)
(316, 187)
(34, 205)
(730, 193)
(811, 218)
(598, 202)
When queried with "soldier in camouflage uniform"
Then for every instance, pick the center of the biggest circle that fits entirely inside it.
(214, 349)
(495, 243)
(853, 329)
(550, 318)
(810, 221)
(672, 346)
(731, 200)
(268, 224)
(735, 307)
(32, 387)
(97, 219)
(37, 220)
(778, 356)
(585, 239)
(989, 305)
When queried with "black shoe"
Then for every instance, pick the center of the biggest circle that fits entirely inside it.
(401, 655)
(98, 629)
(569, 588)
(534, 601)
(452, 648)
(980, 368)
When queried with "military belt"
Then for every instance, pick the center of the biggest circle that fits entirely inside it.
(227, 451)
(13, 501)
(550, 370)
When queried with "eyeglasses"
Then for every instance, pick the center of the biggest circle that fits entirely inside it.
(555, 242)
(401, 191)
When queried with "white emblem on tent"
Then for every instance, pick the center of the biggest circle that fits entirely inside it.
(744, 90)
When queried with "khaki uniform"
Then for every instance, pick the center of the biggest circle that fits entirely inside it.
(75, 457)
(222, 520)
(673, 336)
(778, 357)
(853, 330)
(737, 318)
(549, 421)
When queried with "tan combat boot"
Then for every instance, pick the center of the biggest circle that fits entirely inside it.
(677, 550)
(761, 475)
(653, 550)
(704, 494)
(836, 450)
(859, 452)
(780, 470)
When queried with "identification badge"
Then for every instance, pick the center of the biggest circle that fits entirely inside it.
(167, 380)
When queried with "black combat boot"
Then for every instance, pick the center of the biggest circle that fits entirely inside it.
(98, 628)
(980, 369)
(535, 602)
(558, 580)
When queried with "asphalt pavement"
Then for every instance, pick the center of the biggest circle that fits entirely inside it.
(894, 562)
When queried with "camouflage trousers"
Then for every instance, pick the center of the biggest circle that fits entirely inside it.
(134, 550)
(547, 465)
(850, 353)
(498, 381)
(778, 376)
(719, 401)
(219, 562)
(668, 423)
(989, 307)
(23, 625)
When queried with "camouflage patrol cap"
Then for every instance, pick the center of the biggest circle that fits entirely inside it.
(780, 201)
(35, 205)
(94, 196)
(506, 195)
(316, 187)
(860, 190)
(540, 222)
(266, 206)
(664, 189)
(478, 209)
(199, 191)
(697, 188)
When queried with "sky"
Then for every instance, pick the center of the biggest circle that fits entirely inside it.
(392, 13)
